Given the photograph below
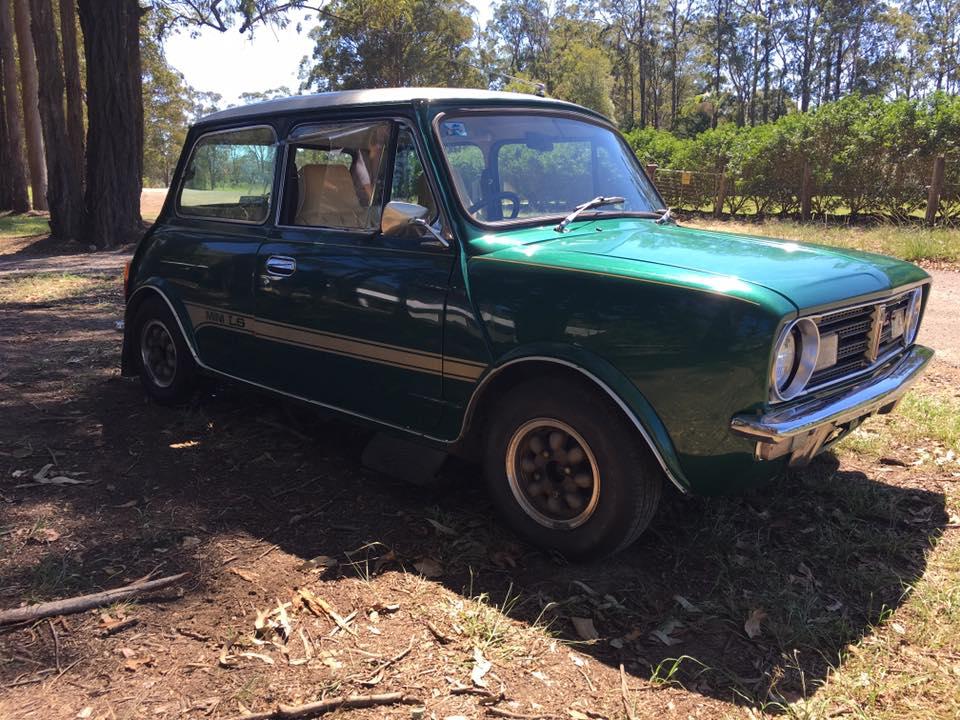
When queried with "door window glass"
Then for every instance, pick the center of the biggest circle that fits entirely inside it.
(409, 180)
(230, 176)
(335, 175)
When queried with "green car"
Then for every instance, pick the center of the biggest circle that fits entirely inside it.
(493, 276)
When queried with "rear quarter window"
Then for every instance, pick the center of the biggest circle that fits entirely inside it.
(230, 176)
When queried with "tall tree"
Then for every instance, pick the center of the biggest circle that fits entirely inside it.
(19, 198)
(111, 39)
(65, 190)
(71, 74)
(6, 189)
(31, 109)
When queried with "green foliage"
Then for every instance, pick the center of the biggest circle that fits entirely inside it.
(392, 43)
(587, 81)
(865, 155)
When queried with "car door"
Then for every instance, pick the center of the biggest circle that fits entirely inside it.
(207, 255)
(346, 315)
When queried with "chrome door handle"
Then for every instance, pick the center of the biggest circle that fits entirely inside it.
(280, 266)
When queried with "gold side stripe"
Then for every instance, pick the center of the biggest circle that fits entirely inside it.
(262, 321)
(434, 364)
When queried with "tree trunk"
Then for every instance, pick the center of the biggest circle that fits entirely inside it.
(20, 200)
(31, 112)
(71, 73)
(64, 191)
(6, 192)
(111, 40)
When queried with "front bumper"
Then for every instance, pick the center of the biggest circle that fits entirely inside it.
(805, 429)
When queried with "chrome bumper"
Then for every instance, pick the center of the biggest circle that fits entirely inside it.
(804, 429)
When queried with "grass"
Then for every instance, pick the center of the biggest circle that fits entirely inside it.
(925, 427)
(16, 226)
(904, 242)
(51, 287)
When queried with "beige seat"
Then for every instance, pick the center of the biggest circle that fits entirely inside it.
(328, 198)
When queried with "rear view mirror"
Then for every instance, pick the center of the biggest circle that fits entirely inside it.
(397, 216)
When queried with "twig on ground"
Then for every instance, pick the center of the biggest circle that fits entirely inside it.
(500, 712)
(119, 627)
(289, 712)
(84, 602)
(56, 644)
(266, 552)
(627, 709)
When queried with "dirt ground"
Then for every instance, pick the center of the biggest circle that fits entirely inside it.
(724, 605)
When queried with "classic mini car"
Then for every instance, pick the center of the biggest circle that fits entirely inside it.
(493, 275)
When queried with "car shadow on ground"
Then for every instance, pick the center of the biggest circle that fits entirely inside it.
(741, 599)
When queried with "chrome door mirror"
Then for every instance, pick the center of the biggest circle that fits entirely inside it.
(398, 216)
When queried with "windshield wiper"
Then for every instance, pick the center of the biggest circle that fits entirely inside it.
(598, 201)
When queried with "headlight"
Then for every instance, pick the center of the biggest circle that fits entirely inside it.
(796, 358)
(913, 316)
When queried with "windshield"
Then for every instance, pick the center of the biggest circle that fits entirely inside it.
(525, 166)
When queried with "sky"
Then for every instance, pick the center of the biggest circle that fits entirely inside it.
(230, 63)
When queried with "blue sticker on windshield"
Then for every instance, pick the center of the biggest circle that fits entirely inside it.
(454, 129)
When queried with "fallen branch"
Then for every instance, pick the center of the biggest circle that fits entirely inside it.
(289, 712)
(500, 712)
(84, 602)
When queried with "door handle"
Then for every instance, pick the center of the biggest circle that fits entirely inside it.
(280, 266)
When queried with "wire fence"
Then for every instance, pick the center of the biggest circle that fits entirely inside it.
(908, 190)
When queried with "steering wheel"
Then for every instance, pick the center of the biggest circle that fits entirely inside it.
(497, 197)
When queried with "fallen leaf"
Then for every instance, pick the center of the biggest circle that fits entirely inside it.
(135, 664)
(577, 715)
(442, 529)
(753, 622)
(127, 653)
(481, 666)
(898, 628)
(245, 574)
(189, 542)
(85, 713)
(585, 628)
(46, 535)
(686, 604)
(257, 656)
(320, 562)
(428, 568)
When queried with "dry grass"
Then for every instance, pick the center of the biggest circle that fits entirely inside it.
(905, 242)
(14, 226)
(51, 287)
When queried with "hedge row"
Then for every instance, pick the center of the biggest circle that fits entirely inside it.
(864, 156)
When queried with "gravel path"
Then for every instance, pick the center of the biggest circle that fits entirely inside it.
(941, 324)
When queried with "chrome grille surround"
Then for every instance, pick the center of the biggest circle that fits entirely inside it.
(864, 338)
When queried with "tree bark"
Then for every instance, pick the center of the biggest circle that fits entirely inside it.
(111, 40)
(6, 193)
(71, 73)
(19, 200)
(65, 189)
(31, 112)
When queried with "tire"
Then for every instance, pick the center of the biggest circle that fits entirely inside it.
(166, 367)
(578, 520)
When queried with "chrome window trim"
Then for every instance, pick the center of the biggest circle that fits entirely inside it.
(880, 299)
(193, 149)
(471, 404)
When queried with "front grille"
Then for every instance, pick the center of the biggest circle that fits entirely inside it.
(858, 345)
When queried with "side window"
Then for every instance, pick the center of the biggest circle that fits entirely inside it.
(334, 176)
(230, 176)
(409, 180)
(467, 166)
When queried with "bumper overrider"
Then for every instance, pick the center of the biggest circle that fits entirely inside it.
(811, 426)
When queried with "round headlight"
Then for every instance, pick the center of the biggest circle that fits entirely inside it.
(796, 358)
(913, 316)
(786, 360)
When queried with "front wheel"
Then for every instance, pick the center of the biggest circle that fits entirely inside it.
(568, 471)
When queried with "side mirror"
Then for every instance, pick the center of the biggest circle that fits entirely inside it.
(398, 216)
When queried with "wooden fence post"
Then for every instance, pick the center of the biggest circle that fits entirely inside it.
(652, 172)
(936, 189)
(806, 191)
(721, 194)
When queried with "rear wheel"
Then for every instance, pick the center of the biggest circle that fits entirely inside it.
(167, 369)
(568, 471)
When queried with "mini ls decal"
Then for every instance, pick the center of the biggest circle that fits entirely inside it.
(417, 360)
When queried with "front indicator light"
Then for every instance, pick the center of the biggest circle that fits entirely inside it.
(913, 316)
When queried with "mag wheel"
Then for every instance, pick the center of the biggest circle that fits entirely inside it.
(167, 369)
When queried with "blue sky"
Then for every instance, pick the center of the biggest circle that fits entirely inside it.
(229, 63)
